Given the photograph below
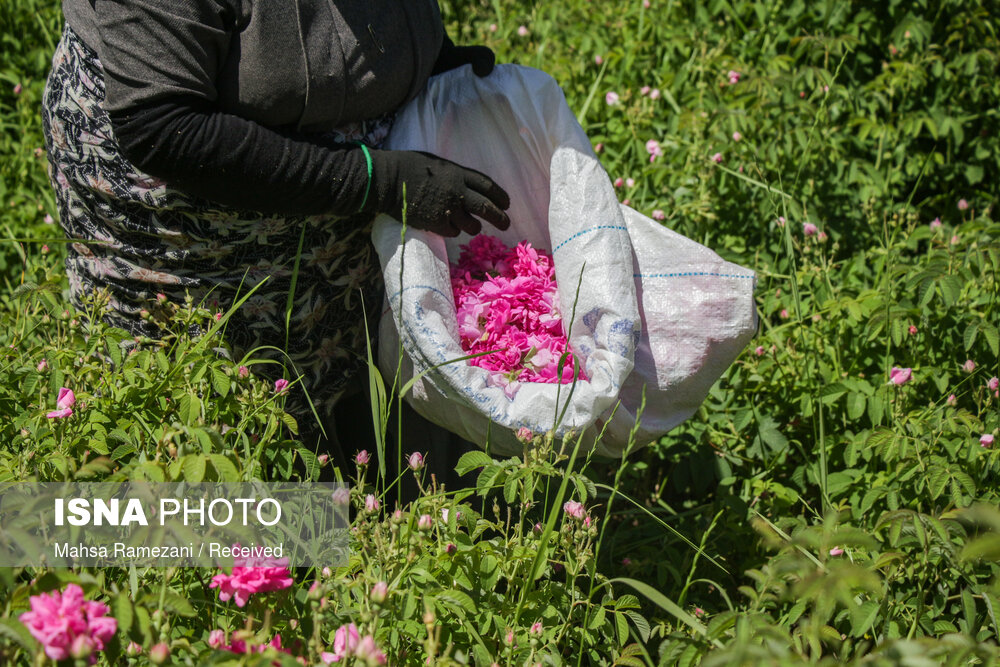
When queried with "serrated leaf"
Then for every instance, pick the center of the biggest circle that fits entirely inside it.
(220, 381)
(224, 468)
(472, 460)
(311, 462)
(457, 598)
(992, 336)
(172, 602)
(487, 478)
(194, 468)
(641, 624)
(121, 609)
(969, 337)
(510, 488)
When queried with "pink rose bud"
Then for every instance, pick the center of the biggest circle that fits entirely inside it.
(522, 30)
(737, 136)
(626, 561)
(216, 639)
(629, 182)
(243, 372)
(809, 229)
(326, 572)
(802, 94)
(993, 383)
(537, 528)
(493, 27)
(699, 612)
(45, 249)
(450, 549)
(379, 592)
(371, 503)
(969, 366)
(612, 98)
(781, 221)
(134, 649)
(42, 365)
(836, 551)
(280, 385)
(159, 653)
(654, 94)
(954, 239)
(783, 314)
(362, 457)
(49, 220)
(599, 147)
(626, 201)
(900, 376)
(536, 628)
(759, 351)
(218, 317)
(323, 459)
(986, 440)
(936, 223)
(951, 400)
(658, 214)
(717, 158)
(416, 461)
(644, 91)
(912, 330)
(17, 89)
(525, 435)
(962, 205)
(598, 60)
(425, 522)
(619, 182)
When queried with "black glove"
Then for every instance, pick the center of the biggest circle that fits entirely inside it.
(441, 196)
(451, 56)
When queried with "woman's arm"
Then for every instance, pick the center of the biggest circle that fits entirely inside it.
(161, 59)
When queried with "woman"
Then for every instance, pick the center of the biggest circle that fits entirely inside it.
(210, 146)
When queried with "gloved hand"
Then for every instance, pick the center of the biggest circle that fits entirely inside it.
(441, 196)
(451, 56)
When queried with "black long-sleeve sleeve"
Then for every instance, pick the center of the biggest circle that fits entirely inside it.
(239, 163)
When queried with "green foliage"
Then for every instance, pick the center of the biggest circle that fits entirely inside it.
(811, 512)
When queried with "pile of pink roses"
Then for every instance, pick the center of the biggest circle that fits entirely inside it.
(507, 304)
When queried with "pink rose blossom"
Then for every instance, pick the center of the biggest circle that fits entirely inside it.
(969, 366)
(522, 30)
(629, 182)
(280, 385)
(658, 214)
(217, 638)
(993, 383)
(619, 182)
(962, 205)
(809, 229)
(612, 98)
(525, 435)
(49, 220)
(783, 314)
(598, 60)
(416, 461)
(345, 642)
(644, 91)
(645, 4)
(17, 89)
(759, 351)
(425, 522)
(912, 330)
(574, 509)
(717, 158)
(65, 403)
(935, 223)
(781, 221)
(654, 149)
(368, 651)
(42, 366)
(252, 575)
(986, 440)
(654, 94)
(243, 372)
(737, 136)
(371, 503)
(900, 376)
(734, 77)
(63, 621)
(362, 457)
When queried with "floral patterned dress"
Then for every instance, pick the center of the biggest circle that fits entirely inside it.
(135, 237)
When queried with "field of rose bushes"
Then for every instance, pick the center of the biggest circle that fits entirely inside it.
(835, 500)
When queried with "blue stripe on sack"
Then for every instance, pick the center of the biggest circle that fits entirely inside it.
(692, 273)
(426, 287)
(587, 231)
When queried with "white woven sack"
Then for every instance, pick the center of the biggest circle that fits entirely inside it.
(515, 126)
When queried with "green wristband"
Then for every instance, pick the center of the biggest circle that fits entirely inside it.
(368, 187)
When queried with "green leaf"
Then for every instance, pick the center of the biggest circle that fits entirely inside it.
(172, 602)
(487, 478)
(121, 609)
(667, 605)
(224, 468)
(16, 631)
(992, 336)
(456, 598)
(510, 488)
(194, 468)
(969, 337)
(856, 402)
(472, 460)
(641, 624)
(220, 381)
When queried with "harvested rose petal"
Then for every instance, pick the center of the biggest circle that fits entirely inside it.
(507, 304)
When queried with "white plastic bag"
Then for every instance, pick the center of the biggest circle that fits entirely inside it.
(515, 126)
